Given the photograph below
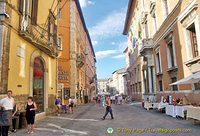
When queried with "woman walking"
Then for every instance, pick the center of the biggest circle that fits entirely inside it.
(108, 108)
(58, 101)
(30, 107)
(71, 105)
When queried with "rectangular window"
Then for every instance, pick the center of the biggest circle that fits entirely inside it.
(136, 87)
(174, 87)
(59, 14)
(158, 62)
(193, 40)
(34, 12)
(166, 7)
(170, 47)
(197, 86)
(160, 85)
(146, 30)
(135, 76)
(140, 86)
(170, 52)
(154, 22)
(59, 43)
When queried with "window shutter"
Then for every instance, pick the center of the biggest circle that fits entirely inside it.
(34, 12)
(21, 6)
(55, 34)
(49, 27)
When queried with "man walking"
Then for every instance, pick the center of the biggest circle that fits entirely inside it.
(108, 108)
(6, 105)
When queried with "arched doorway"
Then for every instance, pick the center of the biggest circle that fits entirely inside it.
(38, 84)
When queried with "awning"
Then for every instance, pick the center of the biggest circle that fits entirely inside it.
(194, 78)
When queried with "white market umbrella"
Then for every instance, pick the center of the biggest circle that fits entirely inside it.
(194, 78)
(104, 93)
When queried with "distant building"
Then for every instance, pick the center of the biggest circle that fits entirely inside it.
(119, 82)
(102, 85)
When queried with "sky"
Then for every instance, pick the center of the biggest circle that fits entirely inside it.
(105, 22)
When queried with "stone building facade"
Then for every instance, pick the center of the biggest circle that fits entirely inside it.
(28, 33)
(168, 32)
(74, 49)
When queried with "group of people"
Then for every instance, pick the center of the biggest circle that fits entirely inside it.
(114, 99)
(9, 114)
(70, 105)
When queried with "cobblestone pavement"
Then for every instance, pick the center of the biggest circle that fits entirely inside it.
(127, 118)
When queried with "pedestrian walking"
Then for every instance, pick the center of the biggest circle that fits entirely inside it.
(108, 108)
(6, 105)
(71, 105)
(113, 99)
(96, 99)
(99, 99)
(118, 99)
(103, 100)
(15, 116)
(30, 108)
(58, 105)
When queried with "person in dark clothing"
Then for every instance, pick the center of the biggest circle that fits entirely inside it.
(108, 109)
(30, 107)
(6, 105)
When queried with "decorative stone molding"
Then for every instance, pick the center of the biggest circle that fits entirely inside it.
(144, 16)
(152, 7)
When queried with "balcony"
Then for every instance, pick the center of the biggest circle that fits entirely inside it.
(80, 60)
(146, 45)
(38, 36)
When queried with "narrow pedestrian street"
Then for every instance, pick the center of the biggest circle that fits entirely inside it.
(86, 121)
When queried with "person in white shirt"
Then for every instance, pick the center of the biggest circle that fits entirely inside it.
(6, 105)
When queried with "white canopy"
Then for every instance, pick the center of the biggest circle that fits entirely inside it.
(104, 93)
(194, 78)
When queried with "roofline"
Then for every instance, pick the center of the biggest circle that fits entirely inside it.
(128, 16)
(85, 27)
(125, 50)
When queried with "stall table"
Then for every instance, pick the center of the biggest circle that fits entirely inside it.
(193, 113)
(170, 110)
(179, 110)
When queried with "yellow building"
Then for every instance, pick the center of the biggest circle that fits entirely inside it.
(73, 39)
(29, 50)
(168, 34)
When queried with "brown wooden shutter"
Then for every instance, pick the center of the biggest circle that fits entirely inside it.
(21, 6)
(49, 27)
(34, 12)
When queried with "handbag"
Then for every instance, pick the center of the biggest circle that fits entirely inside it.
(56, 102)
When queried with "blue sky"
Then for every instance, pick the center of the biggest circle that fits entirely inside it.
(105, 23)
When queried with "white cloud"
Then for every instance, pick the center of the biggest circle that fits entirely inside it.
(119, 56)
(111, 26)
(91, 2)
(113, 43)
(94, 43)
(103, 54)
(83, 3)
